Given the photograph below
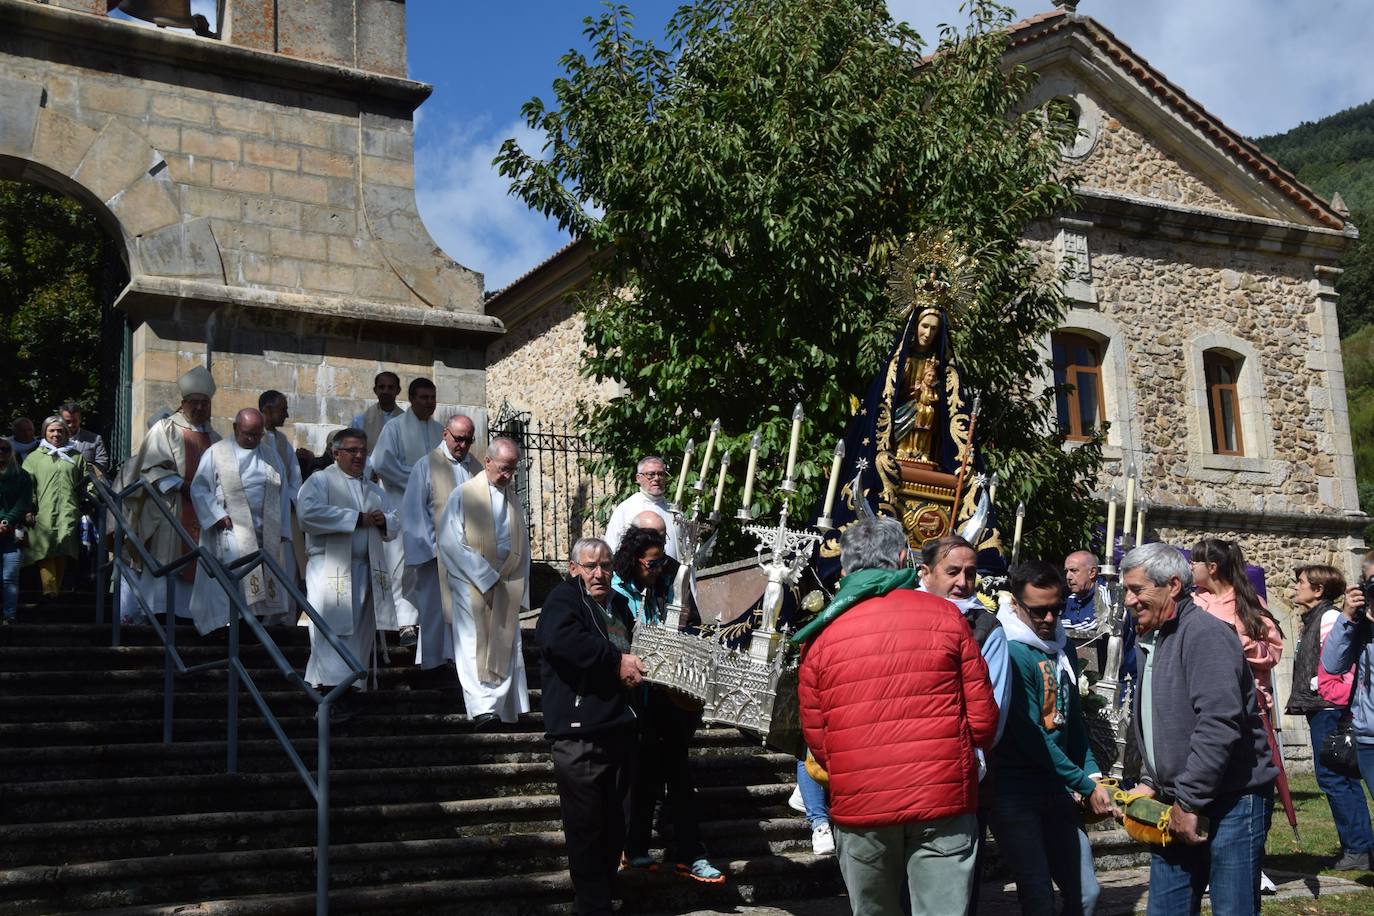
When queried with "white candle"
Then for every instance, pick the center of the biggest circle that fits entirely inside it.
(796, 438)
(1140, 523)
(1111, 524)
(1129, 515)
(834, 479)
(749, 471)
(706, 456)
(720, 482)
(682, 474)
(1020, 523)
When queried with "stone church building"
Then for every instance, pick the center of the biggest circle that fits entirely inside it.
(1202, 326)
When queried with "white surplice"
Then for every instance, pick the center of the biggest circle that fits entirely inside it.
(624, 516)
(421, 547)
(402, 443)
(277, 444)
(324, 517)
(510, 696)
(259, 472)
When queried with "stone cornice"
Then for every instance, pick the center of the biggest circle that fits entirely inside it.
(206, 55)
(147, 296)
(1160, 219)
(1334, 523)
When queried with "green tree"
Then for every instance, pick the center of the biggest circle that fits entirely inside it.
(50, 264)
(752, 183)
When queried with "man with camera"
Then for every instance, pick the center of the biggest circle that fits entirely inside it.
(1349, 644)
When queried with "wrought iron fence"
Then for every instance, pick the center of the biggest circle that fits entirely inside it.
(556, 488)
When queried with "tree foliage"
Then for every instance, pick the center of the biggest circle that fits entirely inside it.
(751, 183)
(50, 263)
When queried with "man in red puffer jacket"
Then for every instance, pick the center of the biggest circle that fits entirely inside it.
(894, 698)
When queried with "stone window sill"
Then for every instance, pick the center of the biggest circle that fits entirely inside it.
(1235, 463)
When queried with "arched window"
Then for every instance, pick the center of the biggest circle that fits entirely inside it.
(1222, 371)
(1078, 363)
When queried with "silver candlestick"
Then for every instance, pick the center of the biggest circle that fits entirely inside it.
(693, 538)
(1111, 603)
(789, 552)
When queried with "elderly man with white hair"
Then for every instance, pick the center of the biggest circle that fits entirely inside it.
(652, 476)
(168, 458)
(484, 548)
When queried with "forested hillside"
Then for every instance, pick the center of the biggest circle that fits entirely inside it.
(1336, 155)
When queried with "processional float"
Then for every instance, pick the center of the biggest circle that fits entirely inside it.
(908, 453)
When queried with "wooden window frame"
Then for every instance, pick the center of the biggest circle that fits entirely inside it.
(1216, 417)
(1072, 373)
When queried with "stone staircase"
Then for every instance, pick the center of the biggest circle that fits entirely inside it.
(96, 814)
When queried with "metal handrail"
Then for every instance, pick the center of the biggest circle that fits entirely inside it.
(228, 578)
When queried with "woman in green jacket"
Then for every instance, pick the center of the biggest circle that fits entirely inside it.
(59, 483)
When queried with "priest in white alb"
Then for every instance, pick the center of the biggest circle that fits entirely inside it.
(484, 548)
(651, 474)
(403, 443)
(432, 481)
(240, 502)
(273, 405)
(348, 582)
(168, 458)
(387, 387)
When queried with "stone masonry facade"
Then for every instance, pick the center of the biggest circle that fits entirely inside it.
(262, 187)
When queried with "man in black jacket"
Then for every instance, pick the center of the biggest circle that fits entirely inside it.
(587, 671)
(1203, 746)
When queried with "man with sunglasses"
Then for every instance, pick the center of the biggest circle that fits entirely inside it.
(1043, 759)
(432, 480)
(651, 474)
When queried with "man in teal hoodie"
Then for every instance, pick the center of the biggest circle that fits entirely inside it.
(1043, 760)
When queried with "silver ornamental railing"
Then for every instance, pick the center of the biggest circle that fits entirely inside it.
(228, 578)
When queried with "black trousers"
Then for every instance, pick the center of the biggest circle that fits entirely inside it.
(594, 775)
(665, 737)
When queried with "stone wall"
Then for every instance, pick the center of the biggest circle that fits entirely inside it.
(536, 366)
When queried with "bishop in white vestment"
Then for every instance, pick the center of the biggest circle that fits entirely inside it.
(168, 458)
(432, 481)
(348, 582)
(484, 548)
(240, 502)
(402, 444)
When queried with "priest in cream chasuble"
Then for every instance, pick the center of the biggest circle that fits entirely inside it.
(240, 503)
(168, 458)
(404, 442)
(484, 548)
(348, 580)
(432, 481)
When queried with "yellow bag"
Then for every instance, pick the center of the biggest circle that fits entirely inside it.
(815, 770)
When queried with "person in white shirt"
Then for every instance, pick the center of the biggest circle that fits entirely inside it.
(387, 387)
(652, 476)
(484, 547)
(432, 481)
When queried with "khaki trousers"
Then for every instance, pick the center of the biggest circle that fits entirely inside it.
(50, 571)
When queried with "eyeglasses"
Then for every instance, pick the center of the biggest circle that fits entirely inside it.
(604, 567)
(660, 474)
(355, 452)
(1044, 610)
(654, 564)
(464, 439)
(504, 468)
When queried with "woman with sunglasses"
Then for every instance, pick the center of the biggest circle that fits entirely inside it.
(666, 725)
(16, 512)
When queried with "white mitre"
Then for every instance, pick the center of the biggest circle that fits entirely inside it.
(197, 381)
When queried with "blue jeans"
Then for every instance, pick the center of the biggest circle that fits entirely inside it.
(813, 797)
(1230, 861)
(10, 557)
(1344, 794)
(1041, 840)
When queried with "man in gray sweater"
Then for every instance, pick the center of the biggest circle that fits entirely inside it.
(1204, 749)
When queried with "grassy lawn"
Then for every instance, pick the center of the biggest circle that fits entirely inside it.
(1318, 849)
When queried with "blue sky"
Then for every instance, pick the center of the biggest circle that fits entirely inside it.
(1262, 66)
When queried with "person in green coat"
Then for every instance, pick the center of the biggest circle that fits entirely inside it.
(59, 485)
(16, 512)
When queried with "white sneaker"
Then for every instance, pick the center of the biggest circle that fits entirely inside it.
(1266, 885)
(822, 840)
(794, 801)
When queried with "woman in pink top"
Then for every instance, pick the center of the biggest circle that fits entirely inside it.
(1224, 591)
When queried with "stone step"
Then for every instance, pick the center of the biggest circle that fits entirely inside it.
(258, 755)
(63, 842)
(785, 875)
(122, 797)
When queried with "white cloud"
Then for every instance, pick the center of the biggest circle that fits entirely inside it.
(464, 203)
(1261, 66)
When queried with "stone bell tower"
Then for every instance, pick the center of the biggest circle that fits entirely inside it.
(261, 185)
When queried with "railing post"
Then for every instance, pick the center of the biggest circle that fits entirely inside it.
(322, 810)
(169, 671)
(117, 593)
(101, 583)
(232, 738)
